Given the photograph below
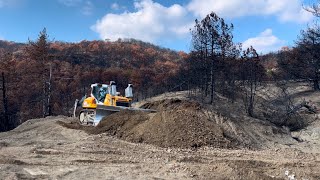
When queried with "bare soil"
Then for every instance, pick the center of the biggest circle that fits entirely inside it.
(183, 140)
(178, 123)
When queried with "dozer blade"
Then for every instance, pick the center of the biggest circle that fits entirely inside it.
(103, 111)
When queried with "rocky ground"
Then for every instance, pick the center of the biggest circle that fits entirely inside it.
(182, 140)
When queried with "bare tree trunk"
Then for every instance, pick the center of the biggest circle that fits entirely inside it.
(316, 84)
(49, 93)
(5, 104)
(212, 86)
(251, 99)
(44, 107)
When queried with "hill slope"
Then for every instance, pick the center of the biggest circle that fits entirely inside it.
(57, 147)
(74, 66)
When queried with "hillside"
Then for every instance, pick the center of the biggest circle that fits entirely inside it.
(74, 66)
(144, 146)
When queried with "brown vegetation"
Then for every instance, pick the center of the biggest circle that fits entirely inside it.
(33, 90)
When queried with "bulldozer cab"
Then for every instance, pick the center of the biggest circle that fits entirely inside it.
(99, 92)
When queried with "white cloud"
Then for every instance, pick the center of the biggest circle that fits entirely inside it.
(115, 6)
(265, 42)
(150, 22)
(70, 2)
(285, 10)
(87, 9)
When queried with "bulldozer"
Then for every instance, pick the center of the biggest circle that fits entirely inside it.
(102, 101)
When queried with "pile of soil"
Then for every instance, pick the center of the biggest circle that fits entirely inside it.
(183, 123)
(177, 123)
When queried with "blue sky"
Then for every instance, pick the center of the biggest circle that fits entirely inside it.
(266, 24)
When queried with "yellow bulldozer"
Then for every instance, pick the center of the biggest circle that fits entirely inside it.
(102, 101)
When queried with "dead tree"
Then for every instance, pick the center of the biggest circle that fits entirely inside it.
(303, 61)
(303, 104)
(251, 75)
(48, 95)
(39, 51)
(211, 40)
(314, 9)
(5, 119)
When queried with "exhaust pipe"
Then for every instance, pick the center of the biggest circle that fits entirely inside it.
(128, 91)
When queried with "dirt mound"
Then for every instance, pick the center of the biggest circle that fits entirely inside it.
(178, 123)
(185, 123)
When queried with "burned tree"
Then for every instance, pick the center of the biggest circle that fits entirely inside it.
(309, 49)
(314, 9)
(303, 62)
(212, 41)
(251, 74)
(38, 51)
